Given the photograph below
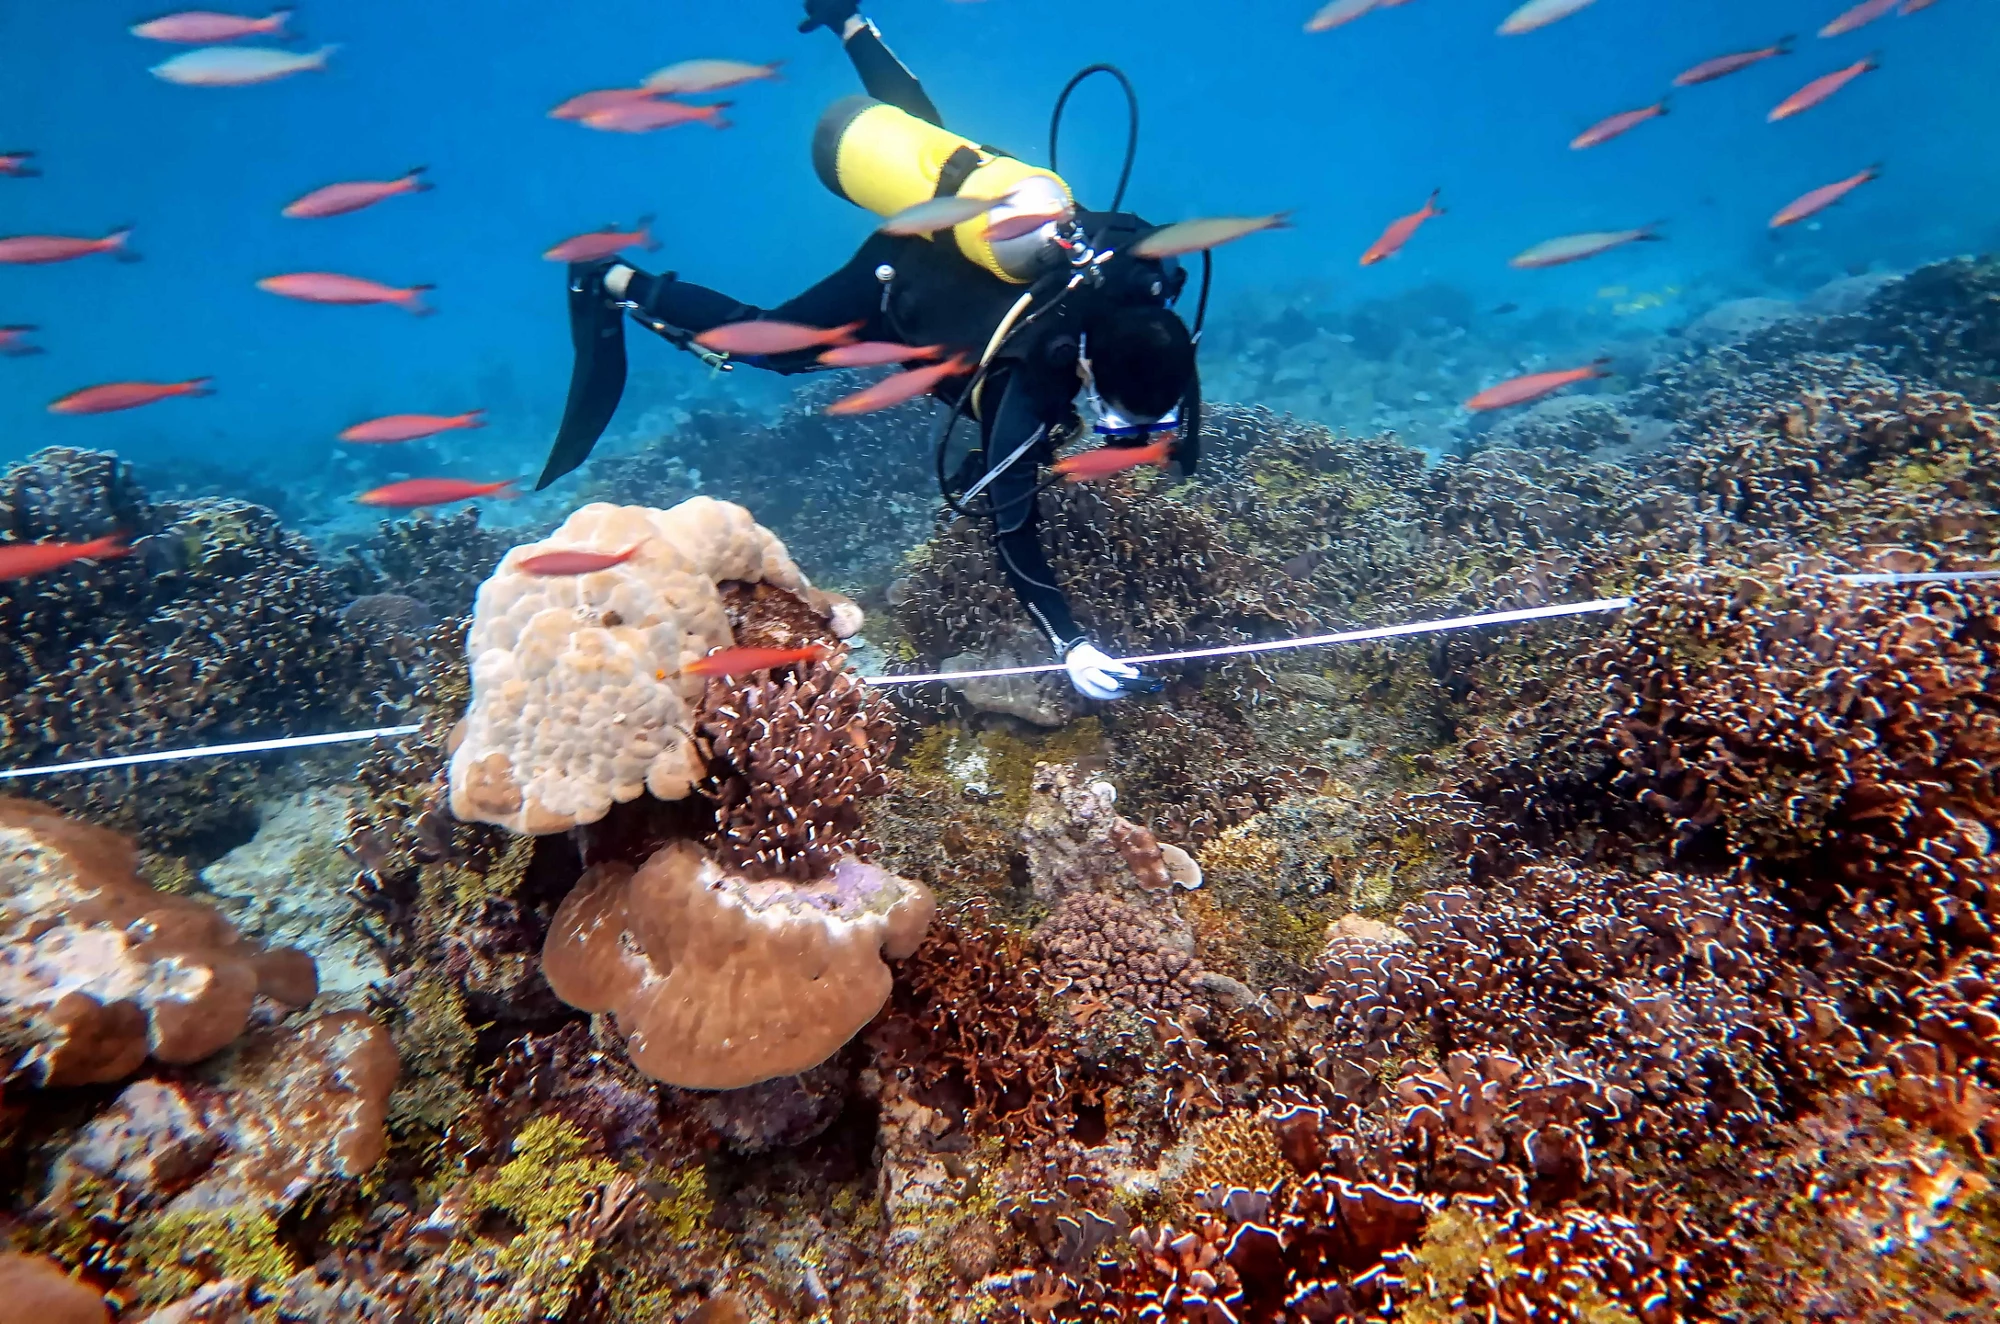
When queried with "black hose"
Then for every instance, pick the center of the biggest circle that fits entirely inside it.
(1131, 134)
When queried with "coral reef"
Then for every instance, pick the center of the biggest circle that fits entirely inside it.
(1634, 969)
(220, 626)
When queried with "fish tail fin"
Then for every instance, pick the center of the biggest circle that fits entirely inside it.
(1601, 366)
(198, 386)
(472, 418)
(1432, 205)
(509, 490)
(413, 299)
(117, 244)
(1666, 104)
(1650, 232)
(318, 59)
(1784, 46)
(418, 184)
(274, 22)
(111, 545)
(845, 334)
(1873, 60)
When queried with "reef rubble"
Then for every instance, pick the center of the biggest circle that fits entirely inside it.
(1619, 971)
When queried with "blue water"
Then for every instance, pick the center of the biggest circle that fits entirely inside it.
(1243, 112)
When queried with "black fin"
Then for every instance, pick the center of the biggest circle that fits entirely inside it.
(597, 379)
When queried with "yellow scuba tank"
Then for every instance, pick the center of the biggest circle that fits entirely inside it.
(886, 160)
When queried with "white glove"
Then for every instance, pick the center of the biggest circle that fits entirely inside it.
(1096, 675)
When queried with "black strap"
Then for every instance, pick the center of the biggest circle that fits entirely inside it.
(958, 168)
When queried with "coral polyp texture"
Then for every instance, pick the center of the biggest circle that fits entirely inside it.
(579, 700)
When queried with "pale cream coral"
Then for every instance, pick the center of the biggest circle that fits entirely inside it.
(718, 982)
(578, 700)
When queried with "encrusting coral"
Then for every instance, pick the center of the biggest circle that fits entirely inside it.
(98, 971)
(718, 981)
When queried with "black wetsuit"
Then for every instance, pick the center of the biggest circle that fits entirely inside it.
(918, 291)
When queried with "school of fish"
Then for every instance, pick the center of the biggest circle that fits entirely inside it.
(654, 103)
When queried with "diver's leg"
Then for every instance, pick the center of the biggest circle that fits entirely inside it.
(597, 378)
(672, 306)
(1014, 497)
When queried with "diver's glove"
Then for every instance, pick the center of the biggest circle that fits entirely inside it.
(829, 14)
(1097, 675)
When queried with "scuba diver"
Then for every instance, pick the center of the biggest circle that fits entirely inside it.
(1050, 315)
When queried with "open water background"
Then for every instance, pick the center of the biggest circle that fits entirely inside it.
(1242, 112)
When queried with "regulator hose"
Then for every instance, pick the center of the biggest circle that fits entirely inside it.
(1131, 131)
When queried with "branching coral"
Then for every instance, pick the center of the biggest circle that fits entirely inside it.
(790, 763)
(220, 626)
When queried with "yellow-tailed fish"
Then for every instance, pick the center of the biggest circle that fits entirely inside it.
(1576, 247)
(1211, 232)
(1539, 14)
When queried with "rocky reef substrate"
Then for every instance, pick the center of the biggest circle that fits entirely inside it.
(1640, 968)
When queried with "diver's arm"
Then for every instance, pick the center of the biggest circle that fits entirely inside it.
(884, 76)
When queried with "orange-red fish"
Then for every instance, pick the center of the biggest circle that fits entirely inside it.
(1858, 17)
(600, 244)
(1819, 89)
(1399, 232)
(126, 395)
(414, 492)
(1021, 224)
(645, 116)
(892, 391)
(19, 560)
(1338, 13)
(328, 287)
(1576, 247)
(1612, 125)
(737, 661)
(585, 104)
(31, 249)
(14, 341)
(409, 427)
(1534, 386)
(576, 561)
(749, 339)
(15, 165)
(877, 354)
(198, 27)
(694, 77)
(1724, 65)
(339, 199)
(1811, 204)
(1108, 460)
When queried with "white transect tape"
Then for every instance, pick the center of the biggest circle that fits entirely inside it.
(1922, 577)
(211, 751)
(1228, 650)
(1311, 641)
